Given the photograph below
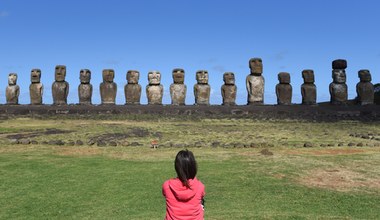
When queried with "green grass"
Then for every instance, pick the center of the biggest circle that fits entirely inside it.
(88, 182)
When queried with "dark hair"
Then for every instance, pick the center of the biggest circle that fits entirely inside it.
(185, 166)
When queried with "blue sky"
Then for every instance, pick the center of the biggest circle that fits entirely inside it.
(218, 36)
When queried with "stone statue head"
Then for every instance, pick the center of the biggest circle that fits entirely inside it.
(339, 76)
(202, 77)
(12, 79)
(365, 76)
(154, 77)
(179, 76)
(35, 76)
(284, 78)
(133, 76)
(60, 73)
(229, 78)
(85, 76)
(108, 75)
(308, 76)
(256, 66)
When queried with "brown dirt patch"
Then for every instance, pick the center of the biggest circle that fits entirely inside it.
(327, 152)
(49, 131)
(338, 179)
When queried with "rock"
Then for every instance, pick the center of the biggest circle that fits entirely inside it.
(330, 145)
(24, 141)
(340, 144)
(307, 144)
(56, 142)
(135, 144)
(215, 144)
(365, 136)
(101, 143)
(339, 64)
(71, 143)
(112, 143)
(79, 142)
(360, 145)
(266, 152)
(34, 142)
(351, 144)
(91, 142)
(13, 141)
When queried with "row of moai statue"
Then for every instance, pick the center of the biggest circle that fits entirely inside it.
(154, 90)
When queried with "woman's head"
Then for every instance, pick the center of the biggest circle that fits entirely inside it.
(185, 166)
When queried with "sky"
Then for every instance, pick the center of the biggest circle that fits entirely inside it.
(217, 36)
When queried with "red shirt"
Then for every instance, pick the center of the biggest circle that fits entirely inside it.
(181, 202)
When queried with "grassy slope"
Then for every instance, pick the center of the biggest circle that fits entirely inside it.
(89, 182)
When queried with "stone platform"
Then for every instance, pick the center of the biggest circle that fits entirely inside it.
(321, 112)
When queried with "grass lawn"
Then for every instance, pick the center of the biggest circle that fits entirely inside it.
(276, 178)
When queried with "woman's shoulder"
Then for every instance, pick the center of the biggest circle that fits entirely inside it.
(167, 182)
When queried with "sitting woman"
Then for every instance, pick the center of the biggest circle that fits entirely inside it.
(184, 194)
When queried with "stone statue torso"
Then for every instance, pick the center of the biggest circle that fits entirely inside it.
(255, 89)
(85, 93)
(338, 92)
(154, 94)
(202, 94)
(35, 92)
(229, 94)
(309, 94)
(284, 94)
(12, 92)
(132, 93)
(178, 93)
(108, 92)
(60, 92)
(365, 91)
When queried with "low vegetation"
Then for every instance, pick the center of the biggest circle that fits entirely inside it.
(106, 168)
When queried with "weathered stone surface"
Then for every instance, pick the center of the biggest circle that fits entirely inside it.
(12, 91)
(60, 87)
(108, 88)
(339, 64)
(229, 89)
(178, 88)
(365, 89)
(284, 89)
(154, 90)
(338, 88)
(132, 89)
(85, 88)
(36, 88)
(308, 88)
(202, 88)
(256, 66)
(255, 82)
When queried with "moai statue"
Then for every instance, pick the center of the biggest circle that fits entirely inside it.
(308, 88)
(60, 87)
(13, 90)
(132, 90)
(108, 88)
(178, 88)
(255, 82)
(284, 89)
(36, 88)
(229, 89)
(365, 88)
(85, 87)
(338, 88)
(202, 88)
(154, 90)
